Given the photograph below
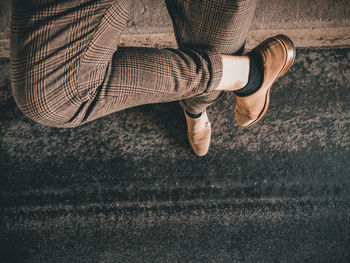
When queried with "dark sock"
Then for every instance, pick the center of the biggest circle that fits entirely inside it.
(193, 115)
(256, 75)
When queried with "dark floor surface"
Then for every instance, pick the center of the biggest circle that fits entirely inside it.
(127, 188)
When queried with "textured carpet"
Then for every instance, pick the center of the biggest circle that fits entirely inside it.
(127, 188)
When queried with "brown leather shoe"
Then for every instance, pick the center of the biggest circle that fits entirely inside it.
(278, 55)
(199, 133)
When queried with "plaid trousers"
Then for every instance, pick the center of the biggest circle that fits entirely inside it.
(67, 69)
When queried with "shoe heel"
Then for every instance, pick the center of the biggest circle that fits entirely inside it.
(291, 52)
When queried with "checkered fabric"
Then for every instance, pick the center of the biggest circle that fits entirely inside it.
(220, 24)
(67, 69)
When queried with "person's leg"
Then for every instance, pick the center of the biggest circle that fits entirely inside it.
(222, 25)
(66, 69)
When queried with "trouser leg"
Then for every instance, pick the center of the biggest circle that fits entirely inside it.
(222, 25)
(67, 69)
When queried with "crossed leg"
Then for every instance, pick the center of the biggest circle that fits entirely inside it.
(67, 69)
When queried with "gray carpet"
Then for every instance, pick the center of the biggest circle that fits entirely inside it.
(127, 188)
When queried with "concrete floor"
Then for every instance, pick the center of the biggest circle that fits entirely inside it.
(127, 188)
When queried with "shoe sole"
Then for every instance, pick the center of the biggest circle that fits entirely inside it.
(290, 48)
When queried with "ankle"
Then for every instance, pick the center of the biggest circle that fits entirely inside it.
(256, 75)
(235, 72)
(193, 115)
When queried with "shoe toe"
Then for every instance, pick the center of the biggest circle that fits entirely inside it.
(200, 144)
